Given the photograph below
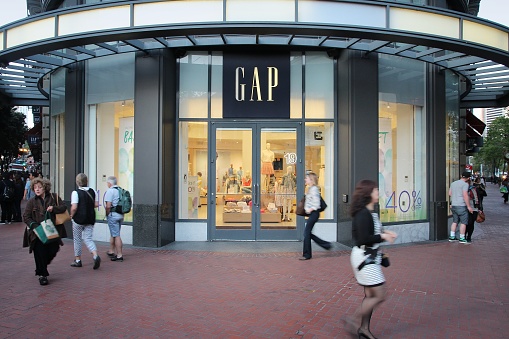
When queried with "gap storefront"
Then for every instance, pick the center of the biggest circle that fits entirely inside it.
(212, 120)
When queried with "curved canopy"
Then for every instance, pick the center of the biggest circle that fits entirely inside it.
(475, 48)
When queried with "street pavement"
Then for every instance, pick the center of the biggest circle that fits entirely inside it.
(259, 290)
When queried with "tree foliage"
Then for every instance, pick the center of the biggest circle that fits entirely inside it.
(496, 145)
(12, 130)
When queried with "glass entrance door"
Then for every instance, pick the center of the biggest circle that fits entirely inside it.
(257, 170)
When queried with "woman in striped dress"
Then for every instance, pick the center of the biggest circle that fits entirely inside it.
(367, 234)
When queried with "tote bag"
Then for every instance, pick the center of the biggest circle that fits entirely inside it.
(46, 231)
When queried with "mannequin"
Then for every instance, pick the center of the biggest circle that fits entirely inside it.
(267, 167)
(289, 190)
(246, 183)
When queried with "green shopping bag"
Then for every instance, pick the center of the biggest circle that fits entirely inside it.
(503, 189)
(46, 231)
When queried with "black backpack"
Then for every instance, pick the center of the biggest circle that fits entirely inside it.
(8, 194)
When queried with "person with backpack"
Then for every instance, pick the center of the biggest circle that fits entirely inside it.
(504, 189)
(7, 195)
(112, 199)
(83, 219)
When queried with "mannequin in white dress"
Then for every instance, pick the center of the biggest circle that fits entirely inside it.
(267, 167)
(289, 190)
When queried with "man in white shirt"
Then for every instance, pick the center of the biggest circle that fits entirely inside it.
(115, 219)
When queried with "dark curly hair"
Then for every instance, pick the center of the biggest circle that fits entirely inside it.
(362, 195)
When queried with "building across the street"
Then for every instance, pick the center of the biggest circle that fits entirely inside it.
(211, 112)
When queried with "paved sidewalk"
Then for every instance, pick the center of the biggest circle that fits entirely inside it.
(255, 290)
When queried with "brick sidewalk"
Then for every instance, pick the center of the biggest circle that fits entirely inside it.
(435, 290)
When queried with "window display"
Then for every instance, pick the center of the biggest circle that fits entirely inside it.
(402, 140)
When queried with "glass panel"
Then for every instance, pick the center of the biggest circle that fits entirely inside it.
(193, 88)
(58, 154)
(193, 174)
(402, 140)
(320, 160)
(110, 78)
(296, 85)
(115, 148)
(319, 86)
(216, 92)
(452, 143)
(234, 153)
(57, 130)
(278, 178)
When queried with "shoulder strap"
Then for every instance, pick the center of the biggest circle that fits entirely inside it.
(55, 199)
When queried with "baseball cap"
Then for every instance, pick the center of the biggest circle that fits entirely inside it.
(466, 174)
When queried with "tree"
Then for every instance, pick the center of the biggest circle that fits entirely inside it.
(12, 131)
(496, 144)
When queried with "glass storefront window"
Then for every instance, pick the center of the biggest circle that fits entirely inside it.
(402, 140)
(319, 86)
(57, 130)
(193, 86)
(320, 160)
(193, 176)
(452, 144)
(114, 128)
(110, 125)
(296, 85)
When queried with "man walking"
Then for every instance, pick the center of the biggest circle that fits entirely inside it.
(460, 207)
(115, 219)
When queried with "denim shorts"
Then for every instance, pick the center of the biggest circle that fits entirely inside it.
(460, 214)
(114, 223)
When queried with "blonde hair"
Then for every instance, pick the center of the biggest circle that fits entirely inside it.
(81, 180)
(313, 177)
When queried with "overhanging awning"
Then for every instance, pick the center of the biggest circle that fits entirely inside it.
(475, 126)
(474, 48)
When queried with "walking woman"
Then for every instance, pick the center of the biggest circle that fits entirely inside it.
(83, 204)
(35, 213)
(366, 261)
(312, 207)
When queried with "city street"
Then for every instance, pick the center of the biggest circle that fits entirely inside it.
(259, 290)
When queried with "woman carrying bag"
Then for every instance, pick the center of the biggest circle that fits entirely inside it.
(366, 261)
(312, 207)
(37, 210)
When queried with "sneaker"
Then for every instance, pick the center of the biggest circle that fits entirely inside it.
(452, 239)
(111, 255)
(76, 264)
(464, 241)
(117, 259)
(97, 262)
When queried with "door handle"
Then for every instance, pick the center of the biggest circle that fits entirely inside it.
(256, 195)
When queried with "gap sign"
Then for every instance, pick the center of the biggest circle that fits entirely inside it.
(256, 86)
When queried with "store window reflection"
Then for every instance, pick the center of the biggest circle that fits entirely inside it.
(402, 140)
(193, 175)
(320, 160)
(57, 129)
(110, 125)
(452, 121)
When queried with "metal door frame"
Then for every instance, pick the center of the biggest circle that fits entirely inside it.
(255, 233)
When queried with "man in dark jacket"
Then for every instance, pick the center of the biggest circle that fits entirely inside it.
(6, 197)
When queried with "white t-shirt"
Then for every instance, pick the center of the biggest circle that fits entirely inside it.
(75, 197)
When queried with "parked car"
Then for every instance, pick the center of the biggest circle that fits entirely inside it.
(18, 165)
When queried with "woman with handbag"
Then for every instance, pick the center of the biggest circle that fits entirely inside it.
(36, 210)
(312, 208)
(366, 261)
(83, 206)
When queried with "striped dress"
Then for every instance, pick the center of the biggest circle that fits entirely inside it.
(369, 275)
